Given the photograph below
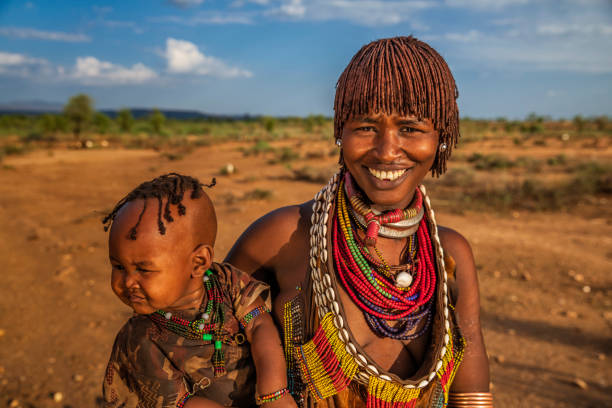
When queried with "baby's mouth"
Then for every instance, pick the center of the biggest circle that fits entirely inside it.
(135, 298)
(390, 175)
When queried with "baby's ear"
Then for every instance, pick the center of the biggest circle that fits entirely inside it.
(201, 259)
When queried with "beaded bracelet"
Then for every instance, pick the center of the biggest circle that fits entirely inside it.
(253, 314)
(183, 400)
(273, 396)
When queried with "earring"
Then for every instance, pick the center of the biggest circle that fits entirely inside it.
(338, 142)
(443, 147)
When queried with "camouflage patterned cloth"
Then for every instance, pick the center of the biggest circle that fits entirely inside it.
(152, 367)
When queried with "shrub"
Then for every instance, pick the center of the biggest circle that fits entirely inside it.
(490, 161)
(257, 194)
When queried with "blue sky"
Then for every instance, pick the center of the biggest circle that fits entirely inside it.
(283, 57)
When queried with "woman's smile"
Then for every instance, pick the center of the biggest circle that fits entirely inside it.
(387, 158)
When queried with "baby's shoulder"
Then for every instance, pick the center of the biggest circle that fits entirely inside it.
(137, 333)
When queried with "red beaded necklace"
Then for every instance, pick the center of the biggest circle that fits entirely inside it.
(376, 293)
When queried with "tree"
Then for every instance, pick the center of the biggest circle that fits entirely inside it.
(48, 124)
(125, 120)
(157, 120)
(101, 122)
(79, 111)
(601, 122)
(579, 123)
(269, 123)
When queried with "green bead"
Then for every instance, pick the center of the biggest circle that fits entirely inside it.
(209, 272)
(217, 345)
(207, 337)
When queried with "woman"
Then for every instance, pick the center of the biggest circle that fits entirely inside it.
(378, 305)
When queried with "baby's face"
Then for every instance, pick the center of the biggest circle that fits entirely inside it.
(154, 271)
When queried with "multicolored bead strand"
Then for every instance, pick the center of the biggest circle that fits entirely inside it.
(253, 314)
(183, 400)
(273, 396)
(375, 293)
(208, 328)
(389, 218)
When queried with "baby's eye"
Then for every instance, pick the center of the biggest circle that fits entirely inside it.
(145, 271)
(118, 267)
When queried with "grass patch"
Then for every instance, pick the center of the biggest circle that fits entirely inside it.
(588, 180)
(284, 155)
(12, 150)
(172, 156)
(490, 161)
(257, 194)
(313, 175)
(259, 147)
(558, 160)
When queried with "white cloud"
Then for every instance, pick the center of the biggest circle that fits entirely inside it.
(292, 8)
(8, 58)
(24, 66)
(240, 3)
(184, 57)
(92, 71)
(186, 3)
(470, 36)
(572, 29)
(32, 33)
(360, 12)
(485, 4)
(205, 19)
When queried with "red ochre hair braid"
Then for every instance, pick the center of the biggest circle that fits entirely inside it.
(405, 76)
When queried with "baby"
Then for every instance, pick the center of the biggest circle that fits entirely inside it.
(199, 325)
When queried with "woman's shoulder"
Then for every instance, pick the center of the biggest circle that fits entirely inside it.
(459, 249)
(262, 241)
(453, 242)
(279, 223)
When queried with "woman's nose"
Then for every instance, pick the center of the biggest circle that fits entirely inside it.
(388, 148)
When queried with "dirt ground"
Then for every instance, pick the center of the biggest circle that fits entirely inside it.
(545, 278)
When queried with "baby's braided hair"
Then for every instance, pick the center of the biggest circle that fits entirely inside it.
(171, 186)
(405, 76)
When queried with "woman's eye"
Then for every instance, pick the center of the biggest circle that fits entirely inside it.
(366, 129)
(407, 129)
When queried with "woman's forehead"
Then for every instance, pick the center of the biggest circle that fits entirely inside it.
(375, 117)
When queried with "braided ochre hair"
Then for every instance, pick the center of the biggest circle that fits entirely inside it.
(171, 186)
(405, 76)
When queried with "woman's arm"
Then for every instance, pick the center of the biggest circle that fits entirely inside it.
(473, 373)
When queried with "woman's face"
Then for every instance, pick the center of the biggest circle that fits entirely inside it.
(389, 155)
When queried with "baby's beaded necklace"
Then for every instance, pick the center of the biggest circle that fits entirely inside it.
(208, 327)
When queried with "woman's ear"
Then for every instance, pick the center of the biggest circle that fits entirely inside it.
(201, 259)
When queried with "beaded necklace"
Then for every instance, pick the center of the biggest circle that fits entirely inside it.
(375, 294)
(332, 359)
(208, 327)
(396, 223)
(392, 272)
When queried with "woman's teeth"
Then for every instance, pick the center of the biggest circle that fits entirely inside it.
(387, 175)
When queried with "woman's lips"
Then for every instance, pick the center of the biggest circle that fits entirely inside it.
(390, 175)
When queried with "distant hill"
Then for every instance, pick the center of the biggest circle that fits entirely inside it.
(31, 107)
(36, 107)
